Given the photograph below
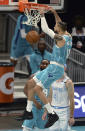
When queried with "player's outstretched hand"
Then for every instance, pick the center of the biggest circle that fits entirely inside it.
(42, 11)
(71, 121)
(51, 9)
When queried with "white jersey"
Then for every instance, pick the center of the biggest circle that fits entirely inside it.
(60, 97)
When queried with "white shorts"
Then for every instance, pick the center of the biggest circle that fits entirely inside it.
(62, 124)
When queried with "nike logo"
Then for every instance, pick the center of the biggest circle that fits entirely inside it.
(50, 75)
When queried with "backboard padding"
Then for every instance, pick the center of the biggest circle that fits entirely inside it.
(8, 5)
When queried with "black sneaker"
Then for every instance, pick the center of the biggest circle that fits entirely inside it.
(52, 118)
(27, 115)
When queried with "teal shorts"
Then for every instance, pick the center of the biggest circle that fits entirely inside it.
(46, 77)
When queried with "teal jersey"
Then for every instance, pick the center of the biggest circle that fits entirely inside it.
(36, 58)
(61, 54)
(17, 39)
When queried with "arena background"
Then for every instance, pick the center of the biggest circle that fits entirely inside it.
(9, 112)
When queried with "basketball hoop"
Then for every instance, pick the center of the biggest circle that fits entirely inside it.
(33, 17)
(31, 10)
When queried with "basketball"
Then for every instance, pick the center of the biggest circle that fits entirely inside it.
(32, 37)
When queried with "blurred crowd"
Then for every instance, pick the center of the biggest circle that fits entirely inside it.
(78, 33)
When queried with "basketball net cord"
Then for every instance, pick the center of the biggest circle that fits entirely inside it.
(33, 17)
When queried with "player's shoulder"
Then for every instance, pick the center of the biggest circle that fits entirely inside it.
(67, 79)
(69, 83)
(67, 36)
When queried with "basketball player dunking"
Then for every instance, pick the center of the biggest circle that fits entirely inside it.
(54, 71)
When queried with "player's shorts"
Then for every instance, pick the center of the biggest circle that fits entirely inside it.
(21, 50)
(36, 121)
(46, 77)
(62, 124)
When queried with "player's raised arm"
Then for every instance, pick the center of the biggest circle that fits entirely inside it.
(57, 18)
(45, 27)
(50, 32)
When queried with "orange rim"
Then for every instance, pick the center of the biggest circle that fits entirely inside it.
(29, 5)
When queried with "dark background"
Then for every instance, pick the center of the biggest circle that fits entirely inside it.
(72, 8)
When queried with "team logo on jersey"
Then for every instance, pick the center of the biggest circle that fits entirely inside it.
(50, 75)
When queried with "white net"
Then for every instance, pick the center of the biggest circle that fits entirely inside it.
(33, 17)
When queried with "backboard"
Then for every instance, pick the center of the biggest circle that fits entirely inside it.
(10, 5)
(56, 4)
